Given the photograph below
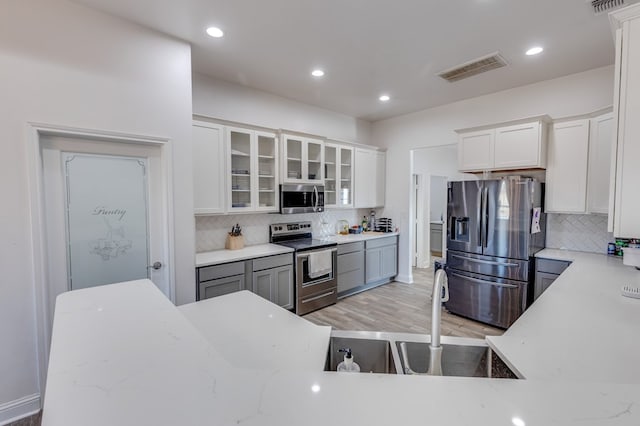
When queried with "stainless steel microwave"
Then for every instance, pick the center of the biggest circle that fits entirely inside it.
(304, 198)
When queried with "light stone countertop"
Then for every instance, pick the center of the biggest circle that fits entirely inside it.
(218, 257)
(353, 238)
(581, 328)
(304, 345)
(122, 354)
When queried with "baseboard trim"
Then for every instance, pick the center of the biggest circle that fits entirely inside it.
(407, 279)
(19, 408)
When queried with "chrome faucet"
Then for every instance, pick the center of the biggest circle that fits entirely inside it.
(440, 295)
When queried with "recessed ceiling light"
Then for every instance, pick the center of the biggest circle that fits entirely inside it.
(517, 421)
(384, 98)
(534, 50)
(215, 32)
(317, 73)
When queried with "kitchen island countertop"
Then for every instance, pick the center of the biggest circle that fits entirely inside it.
(123, 354)
(581, 328)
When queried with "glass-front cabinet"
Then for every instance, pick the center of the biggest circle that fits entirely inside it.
(338, 181)
(252, 163)
(303, 159)
(267, 185)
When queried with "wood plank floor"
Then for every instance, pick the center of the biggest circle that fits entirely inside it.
(397, 307)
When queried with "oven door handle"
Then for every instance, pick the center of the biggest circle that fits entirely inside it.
(305, 255)
(329, 293)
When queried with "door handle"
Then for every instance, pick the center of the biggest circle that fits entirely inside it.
(318, 297)
(486, 262)
(486, 217)
(156, 266)
(317, 196)
(479, 281)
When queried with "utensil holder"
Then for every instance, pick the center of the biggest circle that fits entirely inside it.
(234, 242)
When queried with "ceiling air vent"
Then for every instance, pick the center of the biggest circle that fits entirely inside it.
(600, 6)
(474, 67)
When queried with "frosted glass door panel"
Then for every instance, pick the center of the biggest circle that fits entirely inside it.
(106, 219)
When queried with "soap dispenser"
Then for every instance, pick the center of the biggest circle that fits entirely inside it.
(348, 365)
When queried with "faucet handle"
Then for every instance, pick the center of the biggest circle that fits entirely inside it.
(442, 280)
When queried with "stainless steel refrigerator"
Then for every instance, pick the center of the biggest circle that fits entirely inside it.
(494, 227)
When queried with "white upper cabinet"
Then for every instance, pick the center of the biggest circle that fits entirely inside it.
(578, 165)
(626, 202)
(381, 173)
(253, 167)
(475, 150)
(208, 168)
(303, 159)
(520, 145)
(566, 182)
(600, 146)
(338, 176)
(370, 169)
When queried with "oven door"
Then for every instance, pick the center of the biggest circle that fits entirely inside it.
(315, 293)
(301, 199)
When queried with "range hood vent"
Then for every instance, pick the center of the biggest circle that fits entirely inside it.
(600, 6)
(474, 67)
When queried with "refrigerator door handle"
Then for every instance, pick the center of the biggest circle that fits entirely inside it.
(485, 220)
(480, 219)
(486, 262)
(479, 281)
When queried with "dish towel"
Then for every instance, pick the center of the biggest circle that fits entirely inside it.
(320, 263)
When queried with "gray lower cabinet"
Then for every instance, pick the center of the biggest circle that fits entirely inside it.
(218, 280)
(547, 271)
(272, 278)
(350, 267)
(381, 259)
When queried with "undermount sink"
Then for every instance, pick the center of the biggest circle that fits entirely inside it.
(372, 355)
(457, 360)
(381, 353)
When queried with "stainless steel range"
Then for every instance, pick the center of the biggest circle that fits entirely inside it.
(315, 265)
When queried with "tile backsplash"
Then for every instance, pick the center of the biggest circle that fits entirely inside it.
(211, 231)
(564, 231)
(580, 232)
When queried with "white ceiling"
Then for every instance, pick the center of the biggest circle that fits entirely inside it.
(370, 47)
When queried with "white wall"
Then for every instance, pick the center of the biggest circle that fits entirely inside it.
(439, 161)
(227, 101)
(574, 94)
(67, 65)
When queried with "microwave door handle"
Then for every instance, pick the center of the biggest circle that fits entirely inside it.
(315, 193)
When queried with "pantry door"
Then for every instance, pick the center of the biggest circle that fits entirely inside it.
(106, 214)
